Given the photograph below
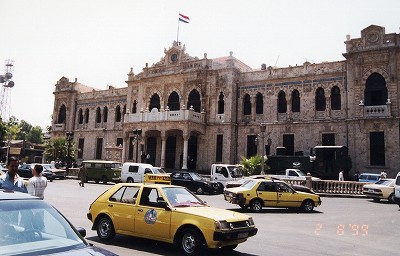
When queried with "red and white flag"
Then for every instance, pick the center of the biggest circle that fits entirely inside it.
(184, 18)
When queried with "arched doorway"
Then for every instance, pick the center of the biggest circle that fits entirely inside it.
(194, 100)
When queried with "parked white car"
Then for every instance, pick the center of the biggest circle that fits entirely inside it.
(382, 189)
(135, 172)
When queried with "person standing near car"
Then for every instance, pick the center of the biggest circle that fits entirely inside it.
(38, 183)
(82, 175)
(11, 180)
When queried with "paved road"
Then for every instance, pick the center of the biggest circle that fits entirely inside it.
(340, 226)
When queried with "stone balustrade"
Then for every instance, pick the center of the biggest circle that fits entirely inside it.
(333, 186)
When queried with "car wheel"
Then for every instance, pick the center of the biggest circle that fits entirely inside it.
(391, 198)
(96, 180)
(199, 191)
(256, 205)
(129, 180)
(220, 188)
(307, 206)
(105, 229)
(376, 199)
(191, 241)
(104, 179)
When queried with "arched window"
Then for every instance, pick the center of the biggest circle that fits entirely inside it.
(221, 103)
(154, 102)
(246, 105)
(295, 101)
(375, 92)
(62, 114)
(134, 107)
(98, 115)
(87, 116)
(173, 101)
(320, 100)
(105, 114)
(282, 103)
(335, 98)
(80, 116)
(259, 103)
(194, 100)
(118, 114)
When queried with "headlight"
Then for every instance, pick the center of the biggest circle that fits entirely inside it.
(250, 221)
(219, 225)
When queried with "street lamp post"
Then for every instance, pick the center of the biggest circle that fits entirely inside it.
(263, 127)
(137, 133)
(69, 138)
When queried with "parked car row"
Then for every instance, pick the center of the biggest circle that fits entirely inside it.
(25, 171)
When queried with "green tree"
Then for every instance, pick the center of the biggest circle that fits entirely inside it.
(35, 135)
(252, 165)
(57, 149)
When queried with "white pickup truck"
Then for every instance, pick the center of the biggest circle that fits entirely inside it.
(292, 174)
(223, 173)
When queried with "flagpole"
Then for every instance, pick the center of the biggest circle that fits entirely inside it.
(177, 33)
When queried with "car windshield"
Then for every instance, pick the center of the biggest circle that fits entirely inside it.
(195, 176)
(158, 170)
(33, 227)
(181, 197)
(249, 183)
(236, 171)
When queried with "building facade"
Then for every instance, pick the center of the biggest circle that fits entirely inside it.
(189, 112)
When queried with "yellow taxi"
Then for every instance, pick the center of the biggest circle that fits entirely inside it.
(170, 214)
(256, 194)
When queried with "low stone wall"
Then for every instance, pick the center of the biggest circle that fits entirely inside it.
(333, 186)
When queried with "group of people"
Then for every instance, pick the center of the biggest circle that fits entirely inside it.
(12, 181)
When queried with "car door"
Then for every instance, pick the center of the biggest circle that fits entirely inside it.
(287, 197)
(122, 206)
(267, 192)
(150, 220)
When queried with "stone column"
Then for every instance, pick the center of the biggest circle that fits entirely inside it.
(185, 151)
(253, 108)
(163, 149)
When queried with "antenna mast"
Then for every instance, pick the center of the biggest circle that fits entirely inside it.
(6, 84)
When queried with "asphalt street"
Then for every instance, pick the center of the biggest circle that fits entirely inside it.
(340, 226)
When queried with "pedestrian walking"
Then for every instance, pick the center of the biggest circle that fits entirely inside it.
(82, 175)
(38, 183)
(341, 177)
(11, 180)
(356, 176)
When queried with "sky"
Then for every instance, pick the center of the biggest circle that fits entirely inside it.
(98, 41)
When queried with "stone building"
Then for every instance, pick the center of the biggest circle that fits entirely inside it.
(189, 112)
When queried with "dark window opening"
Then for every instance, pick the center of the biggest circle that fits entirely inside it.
(335, 98)
(194, 101)
(246, 105)
(99, 148)
(376, 92)
(118, 114)
(134, 107)
(259, 104)
(295, 101)
(221, 103)
(98, 115)
(282, 103)
(154, 102)
(320, 100)
(80, 116)
(251, 146)
(328, 139)
(120, 142)
(87, 116)
(218, 153)
(62, 114)
(105, 114)
(288, 144)
(173, 101)
(81, 144)
(377, 148)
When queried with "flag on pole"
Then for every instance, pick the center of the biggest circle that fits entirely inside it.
(184, 18)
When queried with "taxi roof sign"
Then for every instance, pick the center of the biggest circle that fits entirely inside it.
(157, 178)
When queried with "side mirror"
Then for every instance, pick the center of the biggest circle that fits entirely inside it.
(81, 231)
(162, 204)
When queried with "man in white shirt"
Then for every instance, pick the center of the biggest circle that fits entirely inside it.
(37, 184)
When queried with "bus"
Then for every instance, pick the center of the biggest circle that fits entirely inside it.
(102, 170)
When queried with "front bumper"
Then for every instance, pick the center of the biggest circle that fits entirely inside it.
(231, 235)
